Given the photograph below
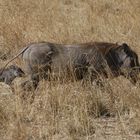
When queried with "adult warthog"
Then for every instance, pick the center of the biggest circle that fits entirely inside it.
(79, 60)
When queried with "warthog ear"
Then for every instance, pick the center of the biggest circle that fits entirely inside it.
(122, 53)
(125, 45)
(124, 48)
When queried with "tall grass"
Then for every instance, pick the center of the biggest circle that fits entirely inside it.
(69, 111)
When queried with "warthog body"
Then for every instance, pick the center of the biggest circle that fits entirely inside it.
(78, 60)
(65, 61)
(9, 74)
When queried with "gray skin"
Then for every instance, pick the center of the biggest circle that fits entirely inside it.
(9, 74)
(64, 61)
(78, 60)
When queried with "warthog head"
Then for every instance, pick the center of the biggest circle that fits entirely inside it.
(124, 61)
(9, 74)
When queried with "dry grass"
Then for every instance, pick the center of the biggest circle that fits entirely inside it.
(70, 111)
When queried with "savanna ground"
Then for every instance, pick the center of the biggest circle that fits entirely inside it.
(69, 111)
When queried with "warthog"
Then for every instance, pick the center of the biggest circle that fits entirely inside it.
(78, 60)
(9, 74)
